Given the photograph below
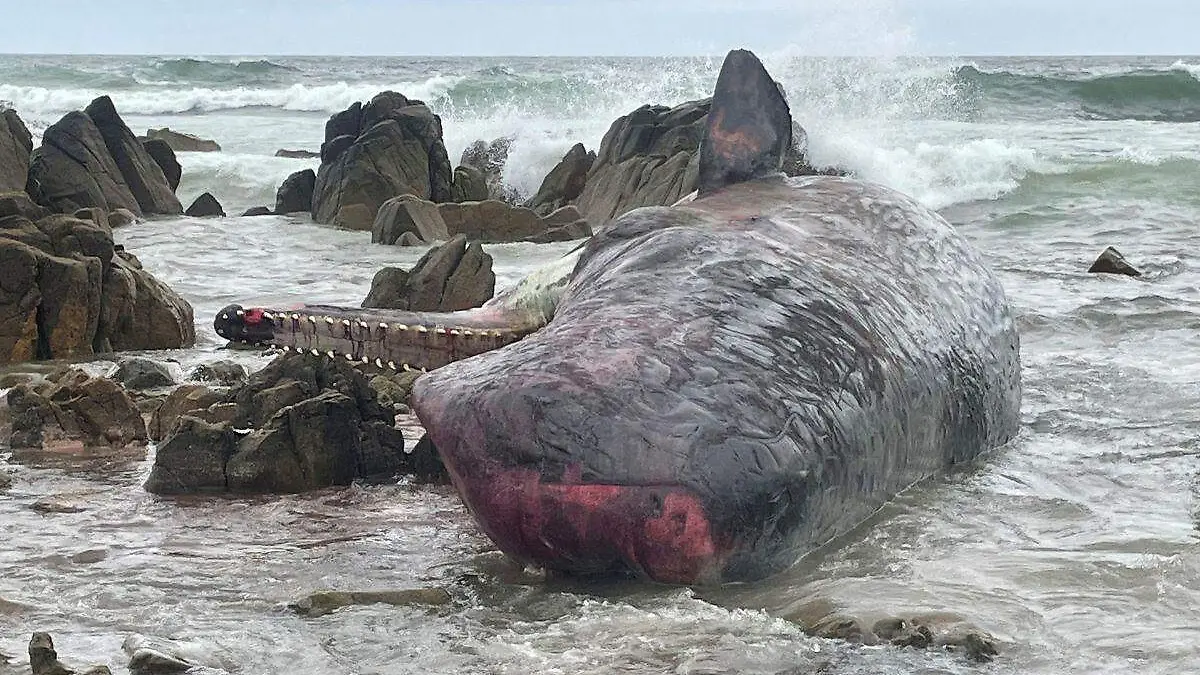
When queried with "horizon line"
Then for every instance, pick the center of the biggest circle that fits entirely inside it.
(590, 56)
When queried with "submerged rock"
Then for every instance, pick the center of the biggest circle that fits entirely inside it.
(185, 400)
(1112, 262)
(488, 221)
(142, 373)
(255, 211)
(92, 410)
(222, 373)
(324, 602)
(297, 154)
(295, 194)
(181, 142)
(205, 206)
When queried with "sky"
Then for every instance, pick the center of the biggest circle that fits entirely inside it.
(601, 27)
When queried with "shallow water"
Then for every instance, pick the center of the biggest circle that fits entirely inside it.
(1076, 545)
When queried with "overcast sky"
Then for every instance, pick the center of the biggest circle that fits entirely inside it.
(585, 27)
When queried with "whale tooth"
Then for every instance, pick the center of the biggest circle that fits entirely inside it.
(383, 325)
(366, 359)
(295, 317)
(378, 363)
(439, 330)
(330, 354)
(241, 312)
(392, 365)
(311, 318)
(329, 320)
(349, 358)
(455, 331)
(346, 322)
(287, 348)
(468, 332)
(225, 316)
(422, 329)
(407, 368)
(496, 333)
(401, 327)
(316, 353)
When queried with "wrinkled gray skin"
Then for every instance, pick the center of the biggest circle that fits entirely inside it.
(790, 352)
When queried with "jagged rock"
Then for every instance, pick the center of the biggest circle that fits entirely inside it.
(162, 154)
(373, 152)
(297, 154)
(16, 144)
(142, 373)
(301, 423)
(144, 177)
(408, 213)
(324, 602)
(296, 192)
(393, 390)
(470, 184)
(255, 211)
(154, 656)
(450, 277)
(92, 410)
(649, 158)
(221, 373)
(489, 159)
(499, 222)
(43, 659)
(19, 203)
(410, 239)
(427, 463)
(96, 215)
(205, 206)
(139, 312)
(565, 224)
(121, 218)
(1112, 262)
(73, 169)
(184, 400)
(181, 142)
(565, 181)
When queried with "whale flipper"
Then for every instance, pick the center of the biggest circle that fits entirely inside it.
(749, 126)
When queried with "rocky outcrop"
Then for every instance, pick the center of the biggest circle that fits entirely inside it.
(565, 181)
(144, 177)
(297, 154)
(324, 602)
(649, 158)
(19, 203)
(1112, 262)
(299, 424)
(488, 221)
(388, 147)
(221, 373)
(139, 373)
(296, 192)
(139, 312)
(90, 159)
(456, 275)
(470, 185)
(162, 154)
(181, 142)
(255, 211)
(489, 159)
(184, 400)
(16, 144)
(205, 206)
(74, 406)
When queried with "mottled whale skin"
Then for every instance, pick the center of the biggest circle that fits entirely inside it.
(716, 388)
(726, 386)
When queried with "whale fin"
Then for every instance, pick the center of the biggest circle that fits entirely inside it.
(749, 126)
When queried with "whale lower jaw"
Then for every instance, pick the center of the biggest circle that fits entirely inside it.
(657, 532)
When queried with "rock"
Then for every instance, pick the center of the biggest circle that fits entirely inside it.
(94, 411)
(426, 464)
(16, 144)
(324, 602)
(296, 193)
(565, 182)
(139, 312)
(145, 178)
(410, 239)
(469, 184)
(255, 211)
(393, 390)
(297, 154)
(95, 215)
(450, 277)
(223, 373)
(162, 154)
(142, 373)
(205, 206)
(6, 481)
(373, 152)
(354, 217)
(408, 213)
(151, 657)
(73, 169)
(181, 142)
(19, 203)
(299, 424)
(51, 505)
(121, 218)
(1112, 262)
(97, 670)
(494, 221)
(43, 659)
(489, 159)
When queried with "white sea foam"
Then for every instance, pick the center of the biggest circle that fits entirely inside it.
(1192, 69)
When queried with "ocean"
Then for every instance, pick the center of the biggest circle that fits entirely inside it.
(1076, 545)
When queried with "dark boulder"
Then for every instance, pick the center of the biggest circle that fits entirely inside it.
(145, 178)
(162, 154)
(565, 181)
(142, 373)
(456, 275)
(299, 424)
(408, 214)
(121, 218)
(73, 169)
(139, 312)
(16, 144)
(1112, 262)
(388, 147)
(205, 206)
(296, 192)
(19, 203)
(255, 211)
(470, 185)
(565, 224)
(297, 154)
(185, 400)
(221, 373)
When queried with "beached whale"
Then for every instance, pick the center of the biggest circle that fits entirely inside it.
(714, 389)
